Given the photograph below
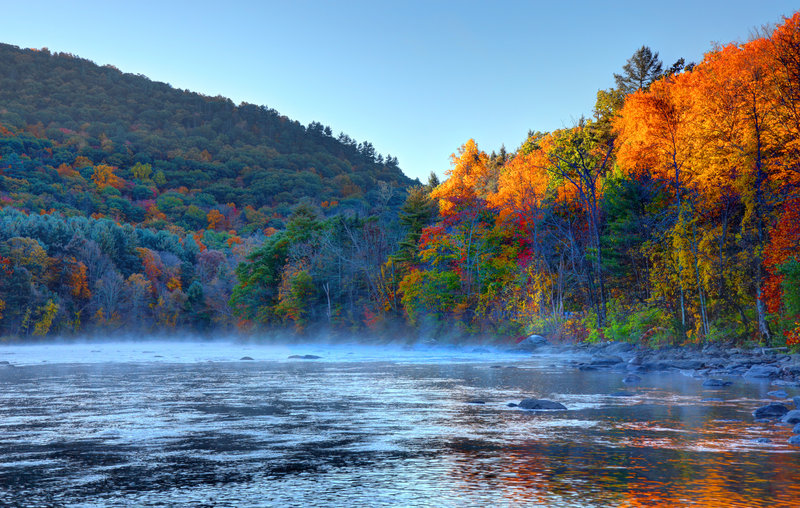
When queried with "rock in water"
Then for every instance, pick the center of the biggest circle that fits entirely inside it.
(631, 379)
(778, 394)
(540, 404)
(476, 401)
(770, 411)
(763, 371)
(716, 383)
(246, 358)
(797, 402)
(621, 393)
(796, 429)
(304, 357)
(532, 342)
(792, 417)
(794, 440)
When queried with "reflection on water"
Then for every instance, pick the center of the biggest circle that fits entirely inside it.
(132, 429)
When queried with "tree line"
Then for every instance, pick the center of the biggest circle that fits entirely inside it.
(672, 214)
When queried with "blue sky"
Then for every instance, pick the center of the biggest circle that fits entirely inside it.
(415, 78)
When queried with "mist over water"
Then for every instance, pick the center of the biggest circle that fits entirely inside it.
(164, 423)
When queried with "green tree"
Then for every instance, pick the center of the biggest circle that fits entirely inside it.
(641, 69)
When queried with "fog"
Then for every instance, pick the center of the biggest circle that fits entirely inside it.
(194, 350)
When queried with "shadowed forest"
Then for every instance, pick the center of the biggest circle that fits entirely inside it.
(671, 214)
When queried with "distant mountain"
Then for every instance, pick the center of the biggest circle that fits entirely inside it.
(57, 109)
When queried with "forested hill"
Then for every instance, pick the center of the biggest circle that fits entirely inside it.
(245, 155)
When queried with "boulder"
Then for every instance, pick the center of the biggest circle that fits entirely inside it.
(246, 358)
(631, 379)
(796, 429)
(794, 440)
(771, 411)
(540, 404)
(762, 371)
(716, 383)
(792, 417)
(532, 342)
(605, 360)
(778, 394)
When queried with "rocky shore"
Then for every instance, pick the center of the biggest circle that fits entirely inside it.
(718, 366)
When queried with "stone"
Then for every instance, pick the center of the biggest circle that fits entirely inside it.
(631, 379)
(716, 383)
(778, 394)
(762, 371)
(605, 360)
(771, 411)
(246, 358)
(792, 417)
(794, 440)
(532, 342)
(541, 404)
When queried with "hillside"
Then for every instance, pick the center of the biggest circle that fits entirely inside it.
(126, 204)
(60, 109)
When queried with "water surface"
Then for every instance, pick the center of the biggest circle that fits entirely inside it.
(193, 424)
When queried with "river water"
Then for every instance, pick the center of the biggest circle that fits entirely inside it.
(154, 424)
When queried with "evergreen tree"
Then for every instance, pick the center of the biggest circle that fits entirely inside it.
(642, 68)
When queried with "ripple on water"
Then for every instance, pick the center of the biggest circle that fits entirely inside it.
(124, 428)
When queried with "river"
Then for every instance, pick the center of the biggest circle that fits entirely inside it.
(168, 423)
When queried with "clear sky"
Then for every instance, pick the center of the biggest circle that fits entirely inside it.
(415, 78)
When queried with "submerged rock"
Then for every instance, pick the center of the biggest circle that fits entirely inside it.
(304, 357)
(794, 440)
(511, 404)
(716, 383)
(631, 379)
(541, 404)
(792, 417)
(711, 399)
(476, 401)
(770, 411)
(778, 394)
(621, 393)
(796, 402)
(762, 440)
